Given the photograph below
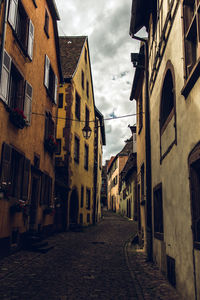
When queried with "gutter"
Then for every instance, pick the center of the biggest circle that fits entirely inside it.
(147, 154)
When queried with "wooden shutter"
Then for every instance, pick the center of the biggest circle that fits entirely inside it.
(6, 163)
(5, 77)
(46, 71)
(30, 39)
(12, 16)
(42, 193)
(49, 190)
(26, 174)
(55, 89)
(28, 102)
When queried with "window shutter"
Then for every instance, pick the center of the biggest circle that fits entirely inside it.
(30, 39)
(5, 76)
(49, 190)
(46, 71)
(6, 163)
(55, 90)
(25, 183)
(12, 16)
(28, 102)
(42, 194)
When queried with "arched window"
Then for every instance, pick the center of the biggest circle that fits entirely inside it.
(167, 100)
(194, 168)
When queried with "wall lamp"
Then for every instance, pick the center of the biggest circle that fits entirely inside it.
(87, 131)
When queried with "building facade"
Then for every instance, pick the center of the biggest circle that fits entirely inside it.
(172, 55)
(30, 74)
(115, 167)
(76, 156)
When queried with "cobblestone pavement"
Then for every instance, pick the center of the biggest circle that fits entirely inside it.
(93, 263)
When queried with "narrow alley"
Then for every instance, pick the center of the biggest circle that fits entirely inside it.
(89, 263)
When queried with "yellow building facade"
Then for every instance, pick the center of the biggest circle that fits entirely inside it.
(77, 110)
(30, 73)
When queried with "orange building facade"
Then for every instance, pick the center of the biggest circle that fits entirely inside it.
(30, 74)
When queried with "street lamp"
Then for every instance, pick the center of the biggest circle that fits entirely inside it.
(87, 132)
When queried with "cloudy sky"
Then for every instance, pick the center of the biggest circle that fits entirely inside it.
(106, 23)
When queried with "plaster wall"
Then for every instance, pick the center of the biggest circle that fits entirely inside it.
(173, 172)
(30, 140)
(79, 176)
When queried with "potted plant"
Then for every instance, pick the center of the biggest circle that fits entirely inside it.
(20, 206)
(18, 118)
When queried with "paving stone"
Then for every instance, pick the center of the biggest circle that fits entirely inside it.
(87, 264)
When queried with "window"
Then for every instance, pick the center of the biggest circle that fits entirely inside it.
(50, 80)
(171, 270)
(58, 150)
(15, 171)
(82, 79)
(194, 165)
(15, 91)
(60, 101)
(49, 136)
(88, 218)
(88, 199)
(76, 149)
(46, 189)
(46, 23)
(87, 89)
(87, 116)
(140, 104)
(86, 55)
(167, 101)
(86, 155)
(158, 213)
(142, 183)
(34, 2)
(22, 26)
(81, 218)
(191, 19)
(82, 196)
(78, 106)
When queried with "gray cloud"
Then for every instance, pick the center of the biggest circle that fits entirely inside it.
(107, 25)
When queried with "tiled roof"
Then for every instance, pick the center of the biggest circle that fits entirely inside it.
(70, 51)
(128, 148)
(130, 165)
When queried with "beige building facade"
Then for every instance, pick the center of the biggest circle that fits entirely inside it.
(173, 89)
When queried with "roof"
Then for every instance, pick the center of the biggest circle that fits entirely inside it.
(137, 79)
(110, 162)
(139, 15)
(70, 51)
(101, 119)
(128, 149)
(130, 166)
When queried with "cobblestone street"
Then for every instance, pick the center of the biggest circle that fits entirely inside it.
(93, 263)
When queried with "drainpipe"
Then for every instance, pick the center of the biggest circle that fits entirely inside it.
(3, 34)
(147, 154)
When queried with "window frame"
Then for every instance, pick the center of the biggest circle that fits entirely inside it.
(77, 106)
(194, 170)
(46, 23)
(158, 216)
(86, 157)
(191, 50)
(26, 39)
(76, 149)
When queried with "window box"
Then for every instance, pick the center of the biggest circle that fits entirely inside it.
(18, 118)
(19, 206)
(50, 144)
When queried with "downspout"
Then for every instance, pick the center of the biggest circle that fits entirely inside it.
(3, 35)
(147, 154)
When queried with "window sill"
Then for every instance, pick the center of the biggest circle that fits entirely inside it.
(197, 245)
(159, 236)
(191, 80)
